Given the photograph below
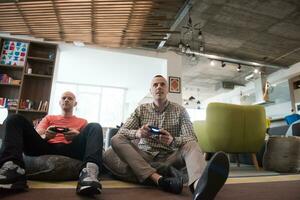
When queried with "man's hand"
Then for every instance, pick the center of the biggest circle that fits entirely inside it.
(49, 134)
(71, 134)
(165, 137)
(143, 132)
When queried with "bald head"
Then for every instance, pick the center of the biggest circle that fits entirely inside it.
(68, 93)
(67, 102)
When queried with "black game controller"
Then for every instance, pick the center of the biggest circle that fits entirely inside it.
(154, 130)
(57, 129)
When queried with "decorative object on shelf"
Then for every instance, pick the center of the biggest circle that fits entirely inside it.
(6, 79)
(51, 55)
(26, 104)
(14, 53)
(174, 84)
(29, 70)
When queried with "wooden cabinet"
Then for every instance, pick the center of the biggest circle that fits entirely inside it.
(29, 87)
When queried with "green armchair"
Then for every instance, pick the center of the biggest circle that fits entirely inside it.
(232, 129)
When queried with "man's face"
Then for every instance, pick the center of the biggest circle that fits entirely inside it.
(159, 88)
(67, 101)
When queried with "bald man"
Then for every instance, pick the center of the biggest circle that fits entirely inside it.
(63, 134)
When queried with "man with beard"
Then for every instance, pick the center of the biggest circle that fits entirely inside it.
(166, 136)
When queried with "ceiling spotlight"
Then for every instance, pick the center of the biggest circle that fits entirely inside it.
(239, 68)
(212, 63)
(193, 58)
(198, 102)
(192, 98)
(201, 48)
(180, 45)
(256, 70)
(200, 36)
(188, 49)
(79, 43)
(223, 64)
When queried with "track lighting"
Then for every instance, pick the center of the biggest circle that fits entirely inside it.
(223, 64)
(239, 68)
(212, 63)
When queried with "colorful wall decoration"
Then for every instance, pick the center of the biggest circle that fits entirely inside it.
(14, 53)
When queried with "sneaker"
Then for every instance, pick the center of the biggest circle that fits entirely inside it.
(171, 184)
(213, 178)
(12, 177)
(88, 183)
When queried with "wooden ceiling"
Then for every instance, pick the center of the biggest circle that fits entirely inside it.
(114, 23)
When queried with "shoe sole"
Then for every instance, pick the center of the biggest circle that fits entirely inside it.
(18, 186)
(88, 190)
(213, 178)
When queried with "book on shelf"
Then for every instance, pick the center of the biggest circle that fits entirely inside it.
(40, 105)
(8, 103)
(6, 79)
(44, 106)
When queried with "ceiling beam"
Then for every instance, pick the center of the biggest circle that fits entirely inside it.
(178, 18)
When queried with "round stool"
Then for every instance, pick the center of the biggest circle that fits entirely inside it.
(282, 154)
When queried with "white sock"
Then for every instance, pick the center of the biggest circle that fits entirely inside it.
(92, 168)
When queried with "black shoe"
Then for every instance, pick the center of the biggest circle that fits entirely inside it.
(171, 184)
(12, 177)
(213, 178)
(88, 183)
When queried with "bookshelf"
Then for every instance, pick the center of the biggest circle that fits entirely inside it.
(25, 86)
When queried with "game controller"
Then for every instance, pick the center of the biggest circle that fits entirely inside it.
(57, 129)
(154, 130)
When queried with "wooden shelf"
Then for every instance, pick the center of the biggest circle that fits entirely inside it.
(10, 84)
(40, 59)
(13, 67)
(38, 75)
(36, 86)
(32, 111)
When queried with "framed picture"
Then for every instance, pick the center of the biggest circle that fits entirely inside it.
(14, 53)
(174, 84)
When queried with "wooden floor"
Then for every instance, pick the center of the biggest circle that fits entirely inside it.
(121, 184)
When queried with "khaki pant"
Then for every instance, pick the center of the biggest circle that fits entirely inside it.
(136, 160)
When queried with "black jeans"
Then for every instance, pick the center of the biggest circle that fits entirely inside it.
(21, 137)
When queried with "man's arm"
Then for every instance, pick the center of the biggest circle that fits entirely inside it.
(186, 130)
(42, 126)
(131, 126)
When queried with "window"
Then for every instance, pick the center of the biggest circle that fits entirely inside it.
(196, 114)
(104, 105)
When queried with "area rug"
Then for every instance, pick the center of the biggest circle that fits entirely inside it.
(249, 171)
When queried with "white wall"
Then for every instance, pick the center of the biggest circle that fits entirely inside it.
(174, 65)
(105, 68)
